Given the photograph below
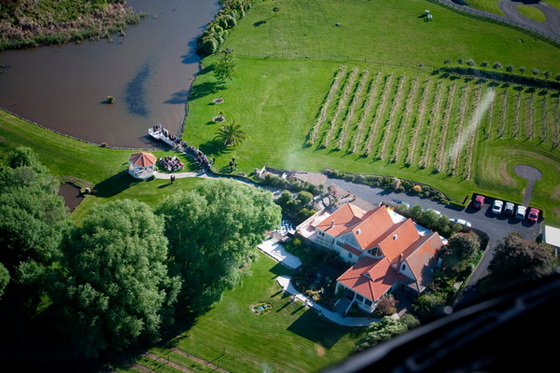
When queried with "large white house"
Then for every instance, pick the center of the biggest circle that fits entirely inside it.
(384, 248)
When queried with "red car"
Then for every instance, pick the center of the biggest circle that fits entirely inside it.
(478, 202)
(533, 215)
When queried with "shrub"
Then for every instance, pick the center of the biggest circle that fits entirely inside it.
(208, 46)
(386, 306)
(429, 305)
(417, 189)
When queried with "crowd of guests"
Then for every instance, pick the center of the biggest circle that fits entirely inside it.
(171, 164)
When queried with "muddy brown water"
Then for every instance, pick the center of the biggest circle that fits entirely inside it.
(71, 194)
(148, 72)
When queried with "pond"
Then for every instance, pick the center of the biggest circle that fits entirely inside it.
(148, 71)
(71, 194)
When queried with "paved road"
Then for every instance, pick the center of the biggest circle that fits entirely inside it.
(550, 26)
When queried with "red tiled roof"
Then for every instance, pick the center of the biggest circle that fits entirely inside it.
(352, 249)
(396, 239)
(370, 277)
(374, 223)
(142, 159)
(343, 218)
(420, 257)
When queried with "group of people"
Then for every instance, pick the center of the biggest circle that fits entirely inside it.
(171, 164)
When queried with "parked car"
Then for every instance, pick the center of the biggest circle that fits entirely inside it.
(497, 206)
(399, 202)
(509, 209)
(461, 221)
(436, 211)
(521, 211)
(478, 202)
(533, 215)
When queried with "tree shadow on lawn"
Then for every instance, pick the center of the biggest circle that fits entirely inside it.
(280, 270)
(205, 89)
(310, 326)
(214, 148)
(115, 184)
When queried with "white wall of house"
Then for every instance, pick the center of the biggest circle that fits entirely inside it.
(404, 269)
(365, 304)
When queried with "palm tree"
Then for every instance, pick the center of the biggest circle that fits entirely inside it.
(230, 134)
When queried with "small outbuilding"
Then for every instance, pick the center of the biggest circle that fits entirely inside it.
(551, 236)
(142, 165)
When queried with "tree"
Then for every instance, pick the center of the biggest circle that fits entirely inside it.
(304, 198)
(415, 211)
(113, 288)
(381, 331)
(33, 218)
(460, 60)
(457, 255)
(4, 279)
(225, 68)
(522, 69)
(517, 261)
(557, 77)
(547, 74)
(447, 61)
(230, 134)
(470, 62)
(484, 63)
(535, 71)
(497, 65)
(213, 232)
(510, 68)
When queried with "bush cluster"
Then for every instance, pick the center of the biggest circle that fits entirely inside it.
(292, 184)
(216, 32)
(507, 77)
(296, 209)
(388, 182)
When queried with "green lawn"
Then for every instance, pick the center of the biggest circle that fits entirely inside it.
(290, 338)
(531, 13)
(490, 6)
(278, 94)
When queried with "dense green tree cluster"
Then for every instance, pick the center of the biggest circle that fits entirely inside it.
(126, 271)
(382, 331)
(216, 32)
(517, 261)
(212, 234)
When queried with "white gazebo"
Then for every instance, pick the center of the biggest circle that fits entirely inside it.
(142, 165)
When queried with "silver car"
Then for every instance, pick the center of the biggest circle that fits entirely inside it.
(521, 212)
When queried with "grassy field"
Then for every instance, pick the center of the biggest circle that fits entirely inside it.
(490, 6)
(531, 13)
(101, 169)
(290, 338)
(378, 110)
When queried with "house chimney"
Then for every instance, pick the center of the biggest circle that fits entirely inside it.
(332, 224)
(358, 231)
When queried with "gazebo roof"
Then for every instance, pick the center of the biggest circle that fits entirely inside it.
(142, 159)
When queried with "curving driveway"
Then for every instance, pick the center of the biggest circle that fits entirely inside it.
(550, 26)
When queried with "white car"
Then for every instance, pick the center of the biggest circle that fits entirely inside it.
(521, 212)
(461, 221)
(497, 206)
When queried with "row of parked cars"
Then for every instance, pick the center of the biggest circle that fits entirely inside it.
(498, 207)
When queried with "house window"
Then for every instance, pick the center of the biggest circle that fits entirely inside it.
(403, 267)
(339, 243)
(368, 302)
(350, 255)
(359, 298)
